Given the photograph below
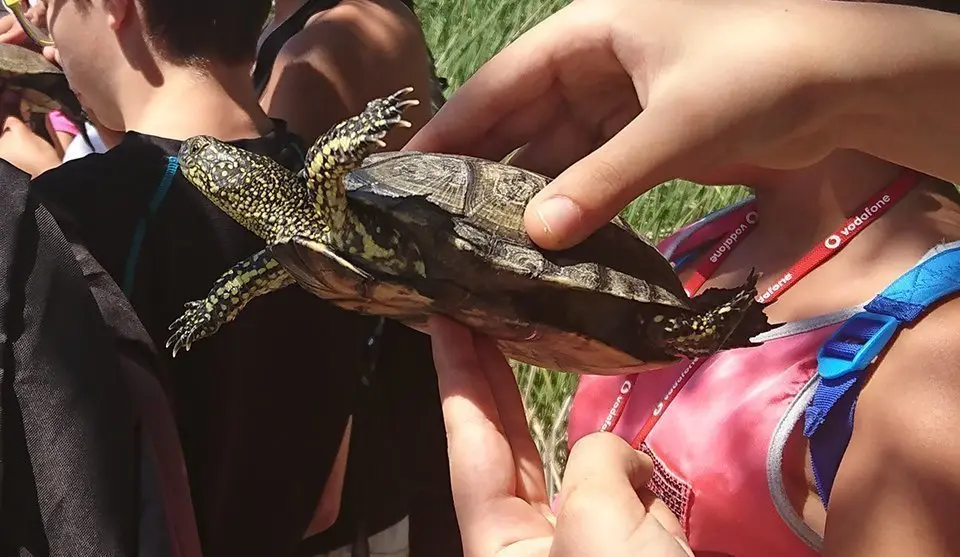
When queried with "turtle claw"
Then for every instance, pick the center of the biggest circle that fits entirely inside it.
(188, 306)
(400, 93)
(196, 323)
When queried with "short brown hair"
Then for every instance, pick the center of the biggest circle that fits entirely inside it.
(197, 31)
(949, 6)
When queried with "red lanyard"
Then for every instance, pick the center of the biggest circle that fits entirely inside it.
(870, 212)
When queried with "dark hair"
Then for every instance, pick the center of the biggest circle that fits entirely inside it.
(196, 31)
(949, 6)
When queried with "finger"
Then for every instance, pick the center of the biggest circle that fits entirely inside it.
(482, 470)
(10, 30)
(664, 142)
(555, 148)
(470, 417)
(600, 505)
(515, 94)
(52, 54)
(605, 457)
(531, 484)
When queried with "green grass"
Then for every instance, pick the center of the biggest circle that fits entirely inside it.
(462, 35)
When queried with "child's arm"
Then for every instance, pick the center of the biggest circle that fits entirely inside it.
(897, 492)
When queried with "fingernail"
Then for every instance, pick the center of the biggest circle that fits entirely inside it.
(558, 215)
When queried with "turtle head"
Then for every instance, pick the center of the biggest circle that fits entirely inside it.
(210, 165)
(247, 186)
(723, 318)
(226, 174)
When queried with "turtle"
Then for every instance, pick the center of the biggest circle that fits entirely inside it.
(42, 85)
(403, 235)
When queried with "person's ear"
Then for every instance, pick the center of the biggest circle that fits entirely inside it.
(118, 12)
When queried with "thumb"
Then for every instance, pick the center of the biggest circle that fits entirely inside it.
(657, 146)
(604, 503)
(52, 54)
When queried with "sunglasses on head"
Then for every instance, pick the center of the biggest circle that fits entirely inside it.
(36, 34)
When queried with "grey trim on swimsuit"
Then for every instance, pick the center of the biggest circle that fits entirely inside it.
(797, 410)
(804, 325)
(794, 414)
(778, 490)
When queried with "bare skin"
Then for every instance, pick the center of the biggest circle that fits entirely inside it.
(900, 467)
(323, 60)
(26, 150)
(603, 507)
(899, 478)
(831, 75)
(786, 105)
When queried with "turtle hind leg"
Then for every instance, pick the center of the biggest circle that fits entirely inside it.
(255, 276)
(723, 318)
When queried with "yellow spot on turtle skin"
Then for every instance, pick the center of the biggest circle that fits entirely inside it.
(658, 319)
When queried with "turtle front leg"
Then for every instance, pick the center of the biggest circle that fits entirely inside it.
(343, 149)
(255, 276)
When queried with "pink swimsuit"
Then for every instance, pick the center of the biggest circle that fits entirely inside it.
(721, 448)
(63, 124)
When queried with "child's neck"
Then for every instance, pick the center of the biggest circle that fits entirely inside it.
(799, 209)
(218, 101)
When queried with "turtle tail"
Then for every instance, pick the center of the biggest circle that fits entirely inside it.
(723, 318)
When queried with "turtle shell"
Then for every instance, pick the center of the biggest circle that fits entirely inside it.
(584, 309)
(42, 85)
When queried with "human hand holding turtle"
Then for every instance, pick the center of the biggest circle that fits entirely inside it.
(729, 88)
(501, 499)
(10, 30)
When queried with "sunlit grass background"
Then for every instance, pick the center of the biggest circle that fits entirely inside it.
(463, 34)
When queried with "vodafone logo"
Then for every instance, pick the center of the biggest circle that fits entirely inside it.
(734, 236)
(853, 225)
(625, 389)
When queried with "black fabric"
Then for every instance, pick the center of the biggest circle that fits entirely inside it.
(398, 455)
(262, 405)
(69, 434)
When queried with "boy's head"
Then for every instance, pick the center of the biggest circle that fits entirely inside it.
(950, 6)
(106, 45)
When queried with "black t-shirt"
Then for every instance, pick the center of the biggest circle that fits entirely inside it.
(262, 404)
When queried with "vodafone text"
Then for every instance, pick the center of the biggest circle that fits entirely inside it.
(833, 241)
(624, 390)
(734, 237)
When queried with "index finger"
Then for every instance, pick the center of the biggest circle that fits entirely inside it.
(469, 414)
(483, 473)
(514, 94)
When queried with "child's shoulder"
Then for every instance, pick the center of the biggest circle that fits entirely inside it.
(902, 466)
